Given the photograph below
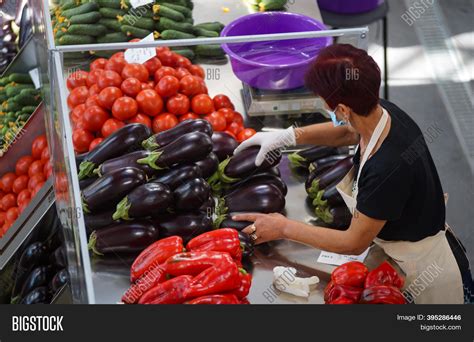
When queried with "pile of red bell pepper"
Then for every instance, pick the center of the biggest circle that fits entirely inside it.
(207, 271)
(352, 283)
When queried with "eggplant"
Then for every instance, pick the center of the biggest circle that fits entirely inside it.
(227, 222)
(33, 255)
(274, 171)
(80, 158)
(187, 225)
(127, 160)
(224, 145)
(39, 295)
(191, 195)
(39, 276)
(208, 165)
(188, 148)
(178, 176)
(333, 175)
(59, 280)
(336, 217)
(208, 207)
(304, 157)
(111, 188)
(247, 245)
(99, 220)
(167, 137)
(326, 161)
(312, 176)
(125, 140)
(126, 237)
(58, 258)
(262, 178)
(145, 200)
(328, 197)
(84, 183)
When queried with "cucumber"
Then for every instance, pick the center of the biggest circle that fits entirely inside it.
(12, 91)
(82, 9)
(24, 117)
(112, 13)
(20, 78)
(173, 34)
(188, 13)
(135, 32)
(87, 29)
(28, 109)
(186, 52)
(272, 5)
(111, 24)
(3, 97)
(86, 18)
(205, 33)
(213, 50)
(109, 3)
(168, 24)
(26, 99)
(66, 5)
(167, 12)
(73, 39)
(12, 106)
(211, 26)
(104, 54)
(4, 81)
(116, 37)
(144, 23)
(142, 12)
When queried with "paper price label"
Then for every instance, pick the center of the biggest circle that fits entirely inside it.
(138, 3)
(34, 74)
(141, 55)
(339, 259)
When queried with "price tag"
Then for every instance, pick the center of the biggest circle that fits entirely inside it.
(34, 74)
(138, 3)
(339, 259)
(141, 55)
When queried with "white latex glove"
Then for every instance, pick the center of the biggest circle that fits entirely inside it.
(269, 141)
(285, 280)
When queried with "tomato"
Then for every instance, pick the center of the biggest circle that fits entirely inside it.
(92, 101)
(36, 179)
(5, 227)
(81, 140)
(94, 90)
(94, 143)
(20, 183)
(94, 77)
(22, 165)
(79, 123)
(12, 214)
(124, 108)
(141, 118)
(202, 104)
(6, 182)
(61, 182)
(145, 86)
(77, 96)
(116, 64)
(8, 201)
(183, 62)
(47, 169)
(23, 197)
(131, 87)
(77, 112)
(231, 134)
(167, 58)
(228, 114)
(138, 71)
(109, 78)
(110, 126)
(222, 101)
(202, 87)
(182, 72)
(235, 128)
(238, 118)
(99, 63)
(37, 147)
(245, 134)
(149, 102)
(22, 208)
(196, 70)
(161, 49)
(77, 79)
(36, 189)
(94, 118)
(108, 96)
(217, 121)
(178, 104)
(35, 167)
(2, 218)
(164, 71)
(167, 86)
(152, 65)
(189, 85)
(188, 116)
(164, 122)
(45, 155)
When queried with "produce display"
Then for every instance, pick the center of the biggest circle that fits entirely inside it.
(18, 187)
(110, 21)
(8, 46)
(18, 100)
(207, 270)
(268, 5)
(353, 283)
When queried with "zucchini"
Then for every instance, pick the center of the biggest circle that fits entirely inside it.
(205, 33)
(167, 12)
(186, 52)
(272, 5)
(168, 24)
(211, 26)
(86, 18)
(188, 13)
(140, 22)
(110, 3)
(213, 50)
(87, 29)
(81, 9)
(20, 78)
(112, 24)
(28, 109)
(112, 13)
(135, 32)
(115, 37)
(73, 39)
(173, 34)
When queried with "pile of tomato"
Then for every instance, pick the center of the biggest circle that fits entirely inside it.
(159, 93)
(19, 187)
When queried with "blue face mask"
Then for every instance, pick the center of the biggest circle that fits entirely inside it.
(334, 119)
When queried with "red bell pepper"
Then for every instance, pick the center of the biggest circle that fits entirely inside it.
(222, 277)
(384, 274)
(155, 254)
(245, 282)
(219, 240)
(215, 299)
(193, 263)
(352, 273)
(244, 301)
(343, 300)
(173, 291)
(148, 280)
(333, 291)
(382, 294)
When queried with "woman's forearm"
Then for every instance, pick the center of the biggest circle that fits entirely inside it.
(326, 134)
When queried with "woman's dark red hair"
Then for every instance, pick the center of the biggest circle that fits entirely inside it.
(344, 74)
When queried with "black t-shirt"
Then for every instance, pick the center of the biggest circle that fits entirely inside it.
(400, 184)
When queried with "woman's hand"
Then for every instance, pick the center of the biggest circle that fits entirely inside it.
(269, 227)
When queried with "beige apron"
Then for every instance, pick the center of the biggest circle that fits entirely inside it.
(432, 273)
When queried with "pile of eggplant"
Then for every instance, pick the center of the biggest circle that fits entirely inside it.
(137, 187)
(326, 167)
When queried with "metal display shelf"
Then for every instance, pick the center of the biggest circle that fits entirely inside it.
(103, 280)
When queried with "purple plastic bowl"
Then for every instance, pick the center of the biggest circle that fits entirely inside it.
(349, 6)
(273, 65)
